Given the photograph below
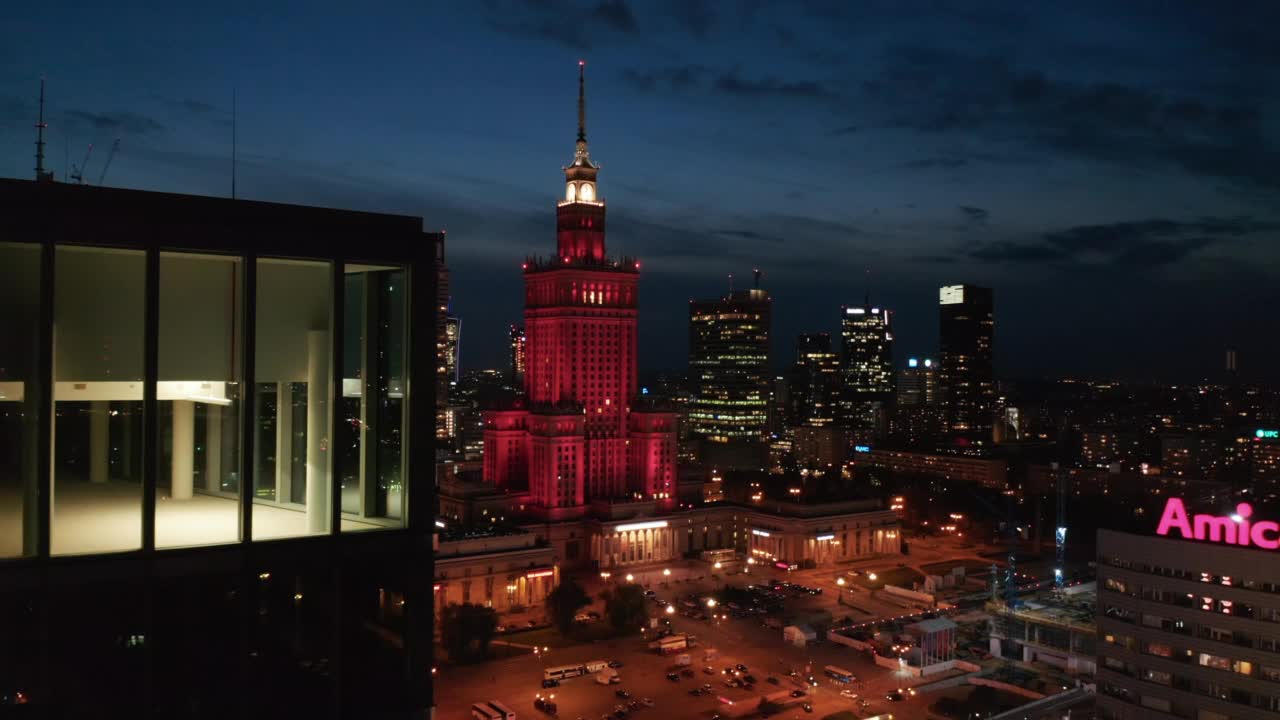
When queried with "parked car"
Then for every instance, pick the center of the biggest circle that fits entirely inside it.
(615, 663)
(647, 702)
(894, 696)
(696, 692)
(622, 693)
(807, 707)
(749, 678)
(708, 670)
(673, 677)
(742, 668)
(772, 680)
(548, 683)
(797, 693)
(687, 672)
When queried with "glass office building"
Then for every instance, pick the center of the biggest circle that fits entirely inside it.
(210, 498)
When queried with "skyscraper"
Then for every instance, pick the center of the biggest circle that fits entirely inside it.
(580, 371)
(444, 424)
(966, 332)
(917, 383)
(519, 350)
(867, 353)
(452, 348)
(729, 366)
(815, 381)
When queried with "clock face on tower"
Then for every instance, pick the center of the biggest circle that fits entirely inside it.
(587, 193)
(570, 191)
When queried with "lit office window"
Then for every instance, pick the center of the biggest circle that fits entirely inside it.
(372, 409)
(19, 398)
(200, 345)
(98, 329)
(293, 383)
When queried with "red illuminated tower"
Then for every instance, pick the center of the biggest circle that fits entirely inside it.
(580, 372)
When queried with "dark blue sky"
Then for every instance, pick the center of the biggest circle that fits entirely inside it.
(1111, 169)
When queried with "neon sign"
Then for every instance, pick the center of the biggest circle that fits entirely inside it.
(862, 448)
(1234, 529)
(1265, 434)
(540, 573)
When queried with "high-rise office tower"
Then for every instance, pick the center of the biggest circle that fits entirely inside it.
(729, 367)
(966, 332)
(815, 381)
(452, 347)
(866, 356)
(580, 370)
(519, 349)
(867, 352)
(444, 423)
(917, 383)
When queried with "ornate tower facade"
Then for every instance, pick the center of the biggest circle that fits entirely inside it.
(581, 360)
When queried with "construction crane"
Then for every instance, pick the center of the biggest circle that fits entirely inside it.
(107, 166)
(77, 173)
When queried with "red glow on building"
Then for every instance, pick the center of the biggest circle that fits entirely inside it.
(581, 313)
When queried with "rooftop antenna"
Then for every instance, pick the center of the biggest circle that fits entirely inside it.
(41, 175)
(730, 283)
(233, 144)
(867, 298)
(756, 277)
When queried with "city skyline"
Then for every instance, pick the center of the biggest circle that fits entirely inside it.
(1116, 193)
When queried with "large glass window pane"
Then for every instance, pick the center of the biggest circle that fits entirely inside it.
(19, 333)
(98, 425)
(372, 409)
(293, 384)
(198, 488)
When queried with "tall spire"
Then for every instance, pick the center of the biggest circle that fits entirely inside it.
(582, 101)
(41, 175)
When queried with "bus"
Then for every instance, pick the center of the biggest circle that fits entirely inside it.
(563, 671)
(502, 711)
(669, 644)
(482, 711)
(839, 674)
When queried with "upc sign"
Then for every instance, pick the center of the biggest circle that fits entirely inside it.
(1265, 434)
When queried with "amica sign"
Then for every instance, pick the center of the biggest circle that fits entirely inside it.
(1234, 529)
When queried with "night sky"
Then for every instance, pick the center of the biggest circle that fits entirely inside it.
(1111, 169)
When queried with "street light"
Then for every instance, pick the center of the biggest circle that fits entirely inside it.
(666, 571)
(717, 564)
(840, 582)
(671, 609)
(871, 577)
(630, 577)
(711, 602)
(605, 575)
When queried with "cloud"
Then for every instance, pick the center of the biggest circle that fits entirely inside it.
(696, 16)
(566, 22)
(752, 235)
(934, 90)
(936, 162)
(128, 123)
(975, 214)
(732, 83)
(615, 14)
(1144, 243)
(678, 78)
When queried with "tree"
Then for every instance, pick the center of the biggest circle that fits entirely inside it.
(466, 631)
(564, 603)
(625, 607)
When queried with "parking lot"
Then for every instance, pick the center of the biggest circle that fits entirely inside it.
(518, 681)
